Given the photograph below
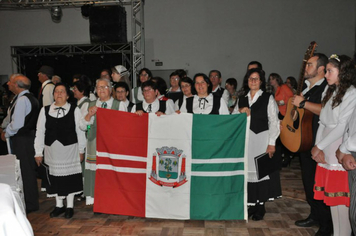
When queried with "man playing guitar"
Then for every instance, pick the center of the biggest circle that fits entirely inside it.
(310, 99)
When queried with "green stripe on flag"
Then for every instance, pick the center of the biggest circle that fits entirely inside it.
(218, 167)
(217, 198)
(217, 137)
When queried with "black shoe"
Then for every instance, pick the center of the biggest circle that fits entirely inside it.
(69, 213)
(57, 211)
(257, 217)
(308, 222)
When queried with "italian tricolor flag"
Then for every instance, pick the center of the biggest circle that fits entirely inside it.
(175, 167)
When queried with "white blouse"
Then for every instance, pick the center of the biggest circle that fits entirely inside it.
(205, 105)
(336, 119)
(155, 106)
(272, 110)
(41, 127)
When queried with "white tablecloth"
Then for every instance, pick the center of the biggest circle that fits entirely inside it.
(13, 219)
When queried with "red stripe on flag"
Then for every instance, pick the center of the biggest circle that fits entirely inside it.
(120, 193)
(121, 163)
(124, 134)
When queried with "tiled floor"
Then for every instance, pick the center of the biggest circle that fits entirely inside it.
(279, 219)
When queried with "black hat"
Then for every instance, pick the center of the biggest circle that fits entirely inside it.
(47, 70)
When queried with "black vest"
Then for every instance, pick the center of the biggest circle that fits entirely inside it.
(216, 104)
(162, 107)
(61, 129)
(259, 112)
(130, 106)
(314, 96)
(31, 118)
(219, 92)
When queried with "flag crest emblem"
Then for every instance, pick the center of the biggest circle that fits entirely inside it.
(171, 167)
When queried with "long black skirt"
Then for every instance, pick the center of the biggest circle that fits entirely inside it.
(64, 185)
(264, 191)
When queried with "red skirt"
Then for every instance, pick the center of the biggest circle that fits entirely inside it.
(332, 186)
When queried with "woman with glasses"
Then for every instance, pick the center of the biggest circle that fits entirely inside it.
(204, 102)
(264, 130)
(144, 75)
(151, 103)
(59, 138)
(122, 94)
(88, 123)
(186, 85)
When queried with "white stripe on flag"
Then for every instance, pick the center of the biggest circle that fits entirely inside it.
(217, 160)
(121, 157)
(217, 173)
(121, 169)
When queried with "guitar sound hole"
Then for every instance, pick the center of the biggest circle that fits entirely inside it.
(295, 117)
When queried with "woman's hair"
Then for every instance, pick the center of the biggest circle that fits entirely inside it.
(206, 79)
(261, 73)
(161, 84)
(65, 86)
(82, 87)
(347, 73)
(189, 81)
(123, 85)
(232, 82)
(147, 72)
(149, 83)
(277, 77)
(293, 82)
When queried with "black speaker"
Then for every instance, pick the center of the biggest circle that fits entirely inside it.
(108, 24)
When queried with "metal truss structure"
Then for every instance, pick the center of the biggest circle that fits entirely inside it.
(136, 48)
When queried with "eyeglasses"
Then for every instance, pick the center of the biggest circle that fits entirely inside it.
(253, 79)
(176, 78)
(214, 77)
(185, 86)
(144, 75)
(147, 90)
(102, 87)
(122, 91)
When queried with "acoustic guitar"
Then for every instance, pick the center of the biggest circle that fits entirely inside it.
(296, 133)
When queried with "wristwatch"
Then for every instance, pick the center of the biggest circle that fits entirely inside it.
(302, 103)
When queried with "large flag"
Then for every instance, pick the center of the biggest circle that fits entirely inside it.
(176, 167)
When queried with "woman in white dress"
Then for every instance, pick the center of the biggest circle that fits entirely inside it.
(63, 143)
(204, 102)
(264, 130)
(338, 103)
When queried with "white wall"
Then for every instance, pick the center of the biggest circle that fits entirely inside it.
(200, 35)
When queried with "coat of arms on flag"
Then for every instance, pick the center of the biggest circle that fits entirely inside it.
(171, 167)
(195, 171)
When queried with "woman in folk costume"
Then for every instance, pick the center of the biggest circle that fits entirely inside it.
(204, 102)
(88, 123)
(338, 103)
(136, 93)
(63, 143)
(264, 130)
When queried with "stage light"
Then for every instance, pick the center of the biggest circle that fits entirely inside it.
(56, 14)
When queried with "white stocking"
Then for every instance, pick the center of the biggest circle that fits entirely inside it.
(59, 202)
(341, 221)
(70, 200)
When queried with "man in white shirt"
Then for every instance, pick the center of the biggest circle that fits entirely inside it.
(215, 78)
(21, 132)
(45, 96)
